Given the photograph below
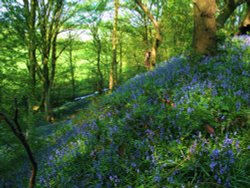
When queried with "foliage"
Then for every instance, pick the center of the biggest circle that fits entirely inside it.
(183, 124)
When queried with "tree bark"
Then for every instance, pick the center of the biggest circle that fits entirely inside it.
(30, 8)
(204, 36)
(71, 64)
(121, 58)
(100, 81)
(113, 67)
(97, 43)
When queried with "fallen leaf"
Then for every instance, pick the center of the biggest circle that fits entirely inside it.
(209, 129)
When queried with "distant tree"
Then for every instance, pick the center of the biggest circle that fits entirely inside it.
(157, 39)
(30, 13)
(113, 67)
(71, 63)
(38, 23)
(50, 19)
(21, 19)
(98, 45)
(91, 19)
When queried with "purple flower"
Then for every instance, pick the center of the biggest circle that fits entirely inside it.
(214, 92)
(227, 141)
(193, 147)
(190, 110)
(215, 154)
(149, 132)
(219, 181)
(170, 179)
(223, 169)
(133, 164)
(212, 165)
(238, 105)
(157, 178)
(227, 184)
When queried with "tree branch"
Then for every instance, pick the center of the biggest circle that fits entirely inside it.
(146, 11)
(227, 11)
(17, 131)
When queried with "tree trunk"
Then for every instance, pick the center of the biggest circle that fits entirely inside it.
(121, 59)
(72, 67)
(245, 24)
(157, 38)
(47, 104)
(30, 8)
(47, 92)
(50, 22)
(204, 36)
(113, 67)
(100, 80)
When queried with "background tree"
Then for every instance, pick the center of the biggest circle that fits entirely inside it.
(50, 21)
(30, 15)
(113, 67)
(157, 39)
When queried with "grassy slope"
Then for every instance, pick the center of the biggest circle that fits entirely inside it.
(185, 123)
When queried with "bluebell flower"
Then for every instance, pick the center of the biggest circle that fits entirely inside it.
(133, 164)
(190, 110)
(213, 165)
(157, 178)
(215, 154)
(223, 169)
(219, 181)
(170, 179)
(227, 142)
(238, 105)
(193, 147)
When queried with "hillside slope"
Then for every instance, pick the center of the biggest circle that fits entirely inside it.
(184, 124)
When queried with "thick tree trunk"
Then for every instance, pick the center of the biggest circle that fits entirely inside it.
(204, 36)
(245, 24)
(113, 67)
